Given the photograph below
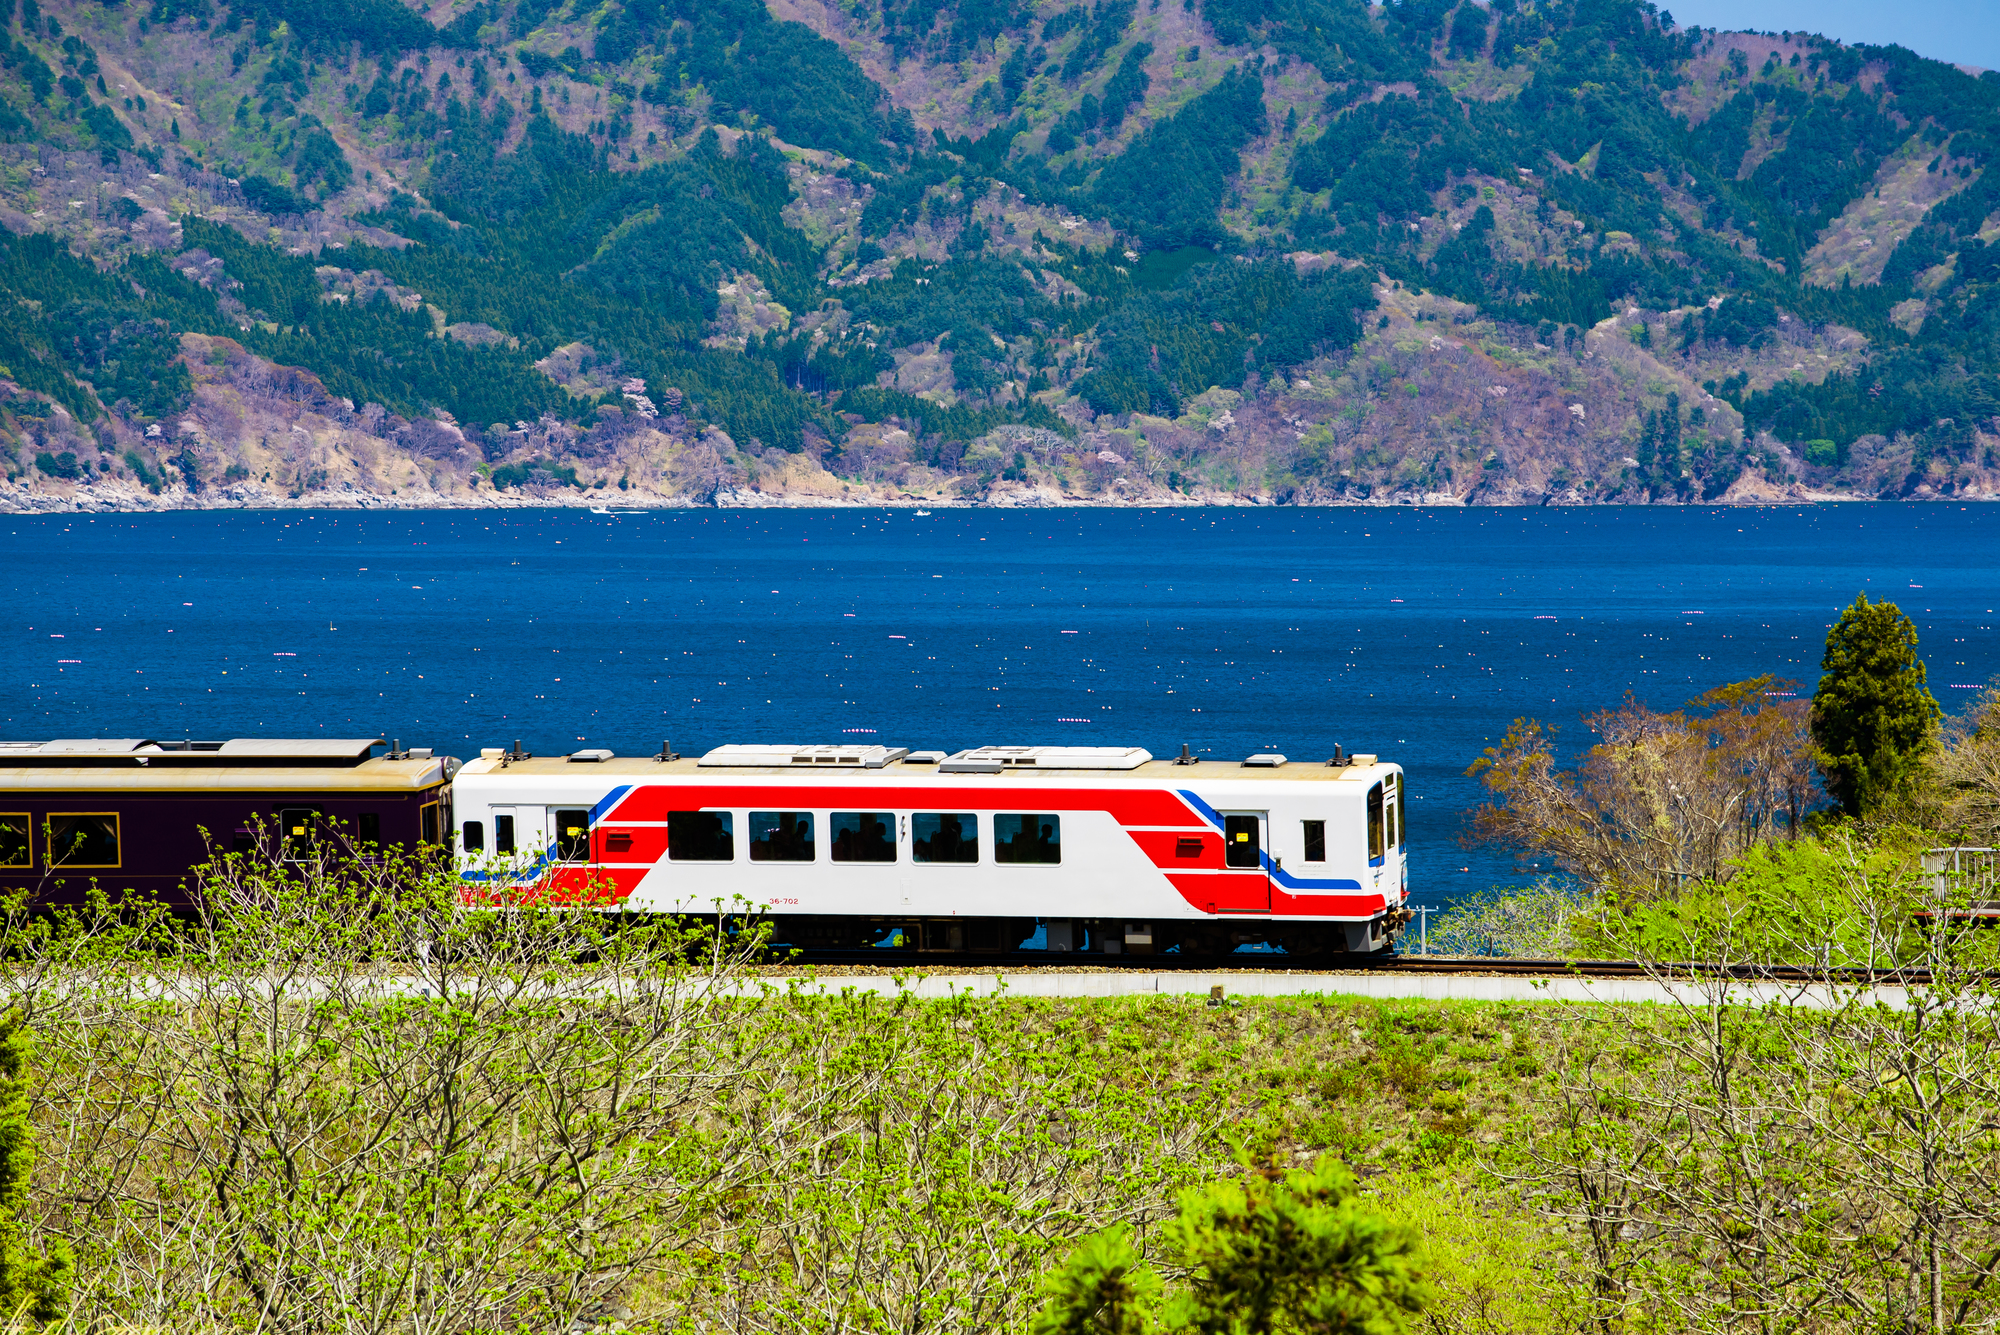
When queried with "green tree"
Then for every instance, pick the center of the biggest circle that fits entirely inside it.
(1268, 1252)
(1873, 716)
(30, 1284)
(1104, 1289)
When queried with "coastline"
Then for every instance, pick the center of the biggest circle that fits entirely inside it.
(113, 498)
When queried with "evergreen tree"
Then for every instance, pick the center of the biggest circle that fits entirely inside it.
(1266, 1253)
(1873, 716)
(30, 1285)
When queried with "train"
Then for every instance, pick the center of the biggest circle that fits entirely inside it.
(133, 815)
(992, 849)
(988, 850)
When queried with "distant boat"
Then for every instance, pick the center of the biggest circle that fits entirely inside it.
(600, 510)
(922, 513)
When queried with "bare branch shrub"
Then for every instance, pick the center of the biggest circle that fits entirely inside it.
(340, 1099)
(1663, 800)
(1537, 921)
(1769, 1154)
(350, 1093)
(1965, 772)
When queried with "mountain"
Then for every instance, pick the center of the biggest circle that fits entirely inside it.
(1006, 251)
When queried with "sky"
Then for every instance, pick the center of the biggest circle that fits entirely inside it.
(1964, 32)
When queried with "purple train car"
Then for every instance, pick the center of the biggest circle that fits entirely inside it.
(129, 814)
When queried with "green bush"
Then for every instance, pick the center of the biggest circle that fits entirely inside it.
(62, 465)
(147, 478)
(509, 476)
(31, 1284)
(1264, 1251)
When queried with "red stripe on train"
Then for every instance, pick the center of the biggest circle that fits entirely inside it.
(1139, 806)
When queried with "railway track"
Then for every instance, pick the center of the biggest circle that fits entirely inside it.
(881, 961)
(1749, 973)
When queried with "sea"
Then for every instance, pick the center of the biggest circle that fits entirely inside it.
(1417, 634)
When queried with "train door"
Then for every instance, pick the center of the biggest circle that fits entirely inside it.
(569, 829)
(520, 834)
(1245, 887)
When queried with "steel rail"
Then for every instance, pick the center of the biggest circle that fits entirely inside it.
(901, 961)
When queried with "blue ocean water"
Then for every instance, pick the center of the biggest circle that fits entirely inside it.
(1414, 633)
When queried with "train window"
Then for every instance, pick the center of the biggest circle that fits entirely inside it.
(701, 836)
(16, 846)
(503, 834)
(1027, 838)
(863, 836)
(83, 839)
(1240, 844)
(951, 836)
(572, 834)
(1402, 815)
(295, 826)
(1375, 846)
(428, 823)
(1389, 813)
(474, 838)
(1315, 841)
(781, 836)
(368, 827)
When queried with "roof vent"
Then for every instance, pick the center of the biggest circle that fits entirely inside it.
(1263, 760)
(331, 748)
(799, 757)
(1055, 757)
(965, 764)
(74, 746)
(1363, 757)
(595, 755)
(924, 758)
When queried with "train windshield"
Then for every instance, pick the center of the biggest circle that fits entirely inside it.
(1376, 849)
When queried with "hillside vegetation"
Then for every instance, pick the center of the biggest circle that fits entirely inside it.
(351, 1104)
(535, 251)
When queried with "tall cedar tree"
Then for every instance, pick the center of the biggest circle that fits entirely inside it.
(30, 1285)
(1873, 716)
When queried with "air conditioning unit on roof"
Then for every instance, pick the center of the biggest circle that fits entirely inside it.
(1055, 757)
(801, 757)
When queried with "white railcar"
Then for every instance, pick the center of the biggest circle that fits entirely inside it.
(1071, 848)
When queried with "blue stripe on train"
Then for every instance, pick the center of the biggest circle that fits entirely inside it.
(547, 857)
(1285, 879)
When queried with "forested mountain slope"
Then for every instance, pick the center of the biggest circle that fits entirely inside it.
(1006, 250)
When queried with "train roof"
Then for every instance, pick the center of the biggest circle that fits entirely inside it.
(897, 764)
(243, 764)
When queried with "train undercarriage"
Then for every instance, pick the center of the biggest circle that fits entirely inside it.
(1079, 937)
